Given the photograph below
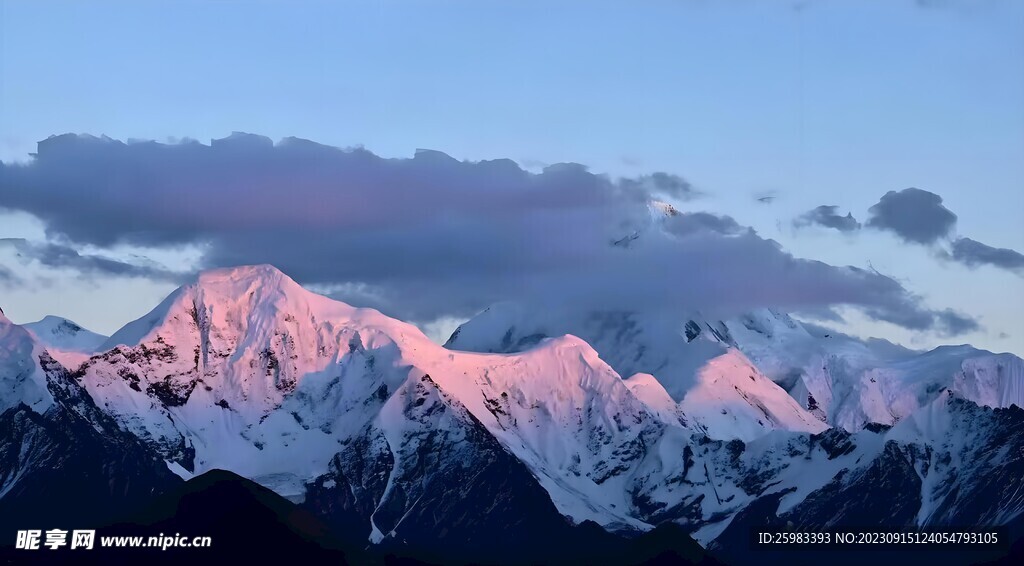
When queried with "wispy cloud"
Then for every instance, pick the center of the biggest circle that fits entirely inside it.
(59, 256)
(973, 253)
(827, 216)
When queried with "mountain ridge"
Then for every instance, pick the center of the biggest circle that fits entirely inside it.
(351, 413)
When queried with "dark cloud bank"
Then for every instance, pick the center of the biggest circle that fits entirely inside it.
(431, 236)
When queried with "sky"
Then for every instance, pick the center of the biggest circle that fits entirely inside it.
(776, 118)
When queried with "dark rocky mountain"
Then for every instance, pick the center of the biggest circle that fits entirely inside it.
(245, 522)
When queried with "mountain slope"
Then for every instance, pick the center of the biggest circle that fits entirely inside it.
(62, 459)
(23, 381)
(426, 479)
(952, 464)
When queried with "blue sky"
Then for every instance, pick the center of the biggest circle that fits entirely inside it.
(823, 102)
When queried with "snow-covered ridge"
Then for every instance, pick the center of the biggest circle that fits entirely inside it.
(59, 333)
(851, 383)
(64, 340)
(21, 378)
(696, 364)
(766, 359)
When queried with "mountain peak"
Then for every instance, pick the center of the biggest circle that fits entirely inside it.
(245, 275)
(61, 334)
(248, 291)
(264, 270)
(52, 319)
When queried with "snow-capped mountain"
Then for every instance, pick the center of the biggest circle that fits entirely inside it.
(245, 370)
(629, 421)
(697, 364)
(861, 387)
(61, 457)
(766, 359)
(55, 332)
(951, 464)
(23, 381)
(851, 383)
(64, 340)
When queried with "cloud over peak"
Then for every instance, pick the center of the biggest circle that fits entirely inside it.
(429, 236)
